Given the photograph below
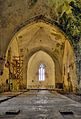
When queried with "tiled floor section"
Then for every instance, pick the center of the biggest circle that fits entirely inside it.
(40, 105)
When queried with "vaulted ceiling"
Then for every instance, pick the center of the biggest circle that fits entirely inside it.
(14, 14)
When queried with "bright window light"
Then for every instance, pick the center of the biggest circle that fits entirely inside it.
(42, 73)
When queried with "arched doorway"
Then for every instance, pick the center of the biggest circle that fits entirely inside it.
(41, 71)
(47, 38)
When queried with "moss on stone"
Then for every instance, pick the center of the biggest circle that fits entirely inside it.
(67, 14)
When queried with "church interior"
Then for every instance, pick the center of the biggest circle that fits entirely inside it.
(40, 55)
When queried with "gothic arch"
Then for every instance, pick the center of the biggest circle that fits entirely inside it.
(41, 35)
(38, 58)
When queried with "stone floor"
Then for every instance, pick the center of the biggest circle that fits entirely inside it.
(40, 105)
